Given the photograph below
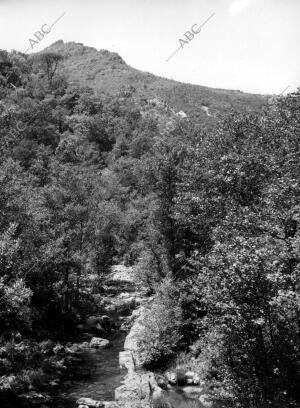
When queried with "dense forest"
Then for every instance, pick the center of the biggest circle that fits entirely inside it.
(208, 216)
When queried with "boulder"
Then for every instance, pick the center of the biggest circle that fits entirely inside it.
(59, 349)
(93, 324)
(126, 360)
(110, 404)
(81, 346)
(192, 378)
(54, 383)
(196, 379)
(135, 392)
(6, 383)
(90, 403)
(193, 392)
(110, 308)
(98, 342)
(124, 327)
(35, 398)
(162, 381)
(171, 377)
(47, 347)
(205, 401)
(189, 374)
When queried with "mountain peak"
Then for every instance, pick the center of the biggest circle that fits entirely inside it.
(107, 72)
(71, 49)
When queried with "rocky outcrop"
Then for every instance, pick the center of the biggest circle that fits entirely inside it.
(136, 390)
(126, 361)
(131, 341)
(123, 293)
(139, 388)
(129, 321)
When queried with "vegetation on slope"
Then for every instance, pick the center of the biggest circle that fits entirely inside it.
(108, 73)
(207, 215)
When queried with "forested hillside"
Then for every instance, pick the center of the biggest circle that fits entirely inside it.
(108, 73)
(207, 213)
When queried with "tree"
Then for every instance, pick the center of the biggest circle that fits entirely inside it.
(49, 62)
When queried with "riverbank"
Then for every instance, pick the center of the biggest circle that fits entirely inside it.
(108, 372)
(104, 375)
(84, 365)
(122, 298)
(175, 388)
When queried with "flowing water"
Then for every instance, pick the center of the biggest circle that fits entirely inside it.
(104, 376)
(96, 377)
(177, 399)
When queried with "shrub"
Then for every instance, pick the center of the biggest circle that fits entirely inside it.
(160, 337)
(14, 305)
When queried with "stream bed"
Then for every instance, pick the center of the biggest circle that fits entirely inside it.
(103, 375)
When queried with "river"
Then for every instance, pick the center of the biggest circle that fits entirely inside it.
(103, 375)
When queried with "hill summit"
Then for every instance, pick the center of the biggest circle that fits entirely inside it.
(107, 72)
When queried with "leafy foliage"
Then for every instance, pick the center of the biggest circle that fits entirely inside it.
(208, 216)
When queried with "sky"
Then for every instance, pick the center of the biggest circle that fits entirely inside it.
(249, 45)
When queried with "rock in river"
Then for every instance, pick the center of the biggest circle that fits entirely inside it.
(110, 404)
(89, 402)
(193, 392)
(205, 401)
(98, 342)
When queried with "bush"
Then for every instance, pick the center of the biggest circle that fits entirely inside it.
(26, 365)
(161, 336)
(14, 305)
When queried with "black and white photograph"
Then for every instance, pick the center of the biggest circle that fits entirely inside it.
(149, 204)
